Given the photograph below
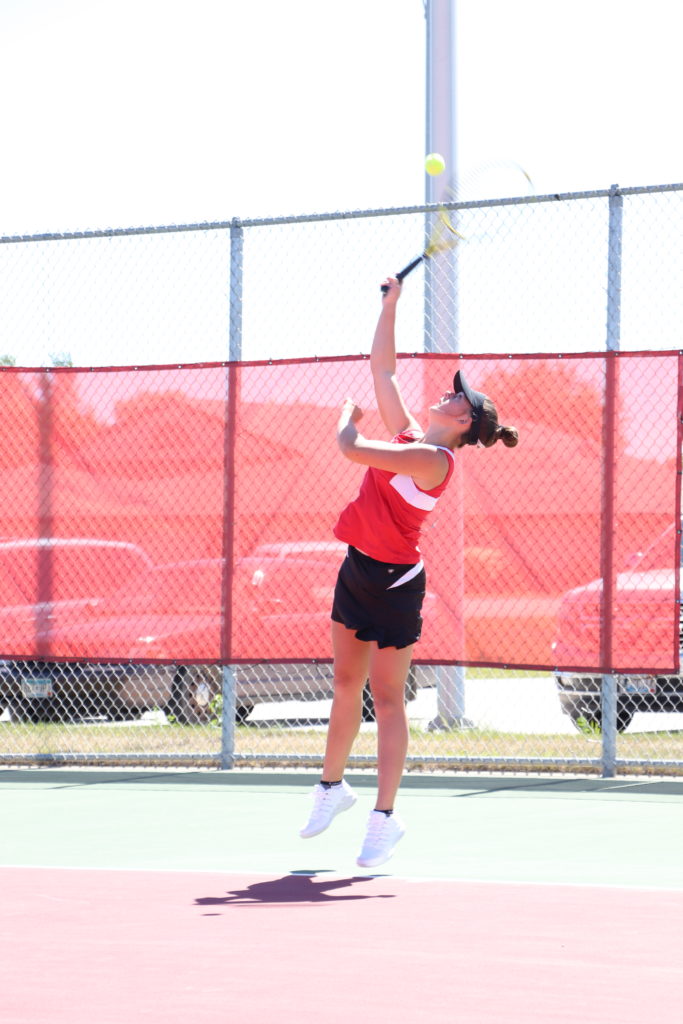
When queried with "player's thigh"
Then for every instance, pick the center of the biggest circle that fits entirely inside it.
(351, 657)
(389, 667)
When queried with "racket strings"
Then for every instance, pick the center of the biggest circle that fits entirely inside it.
(444, 235)
(497, 177)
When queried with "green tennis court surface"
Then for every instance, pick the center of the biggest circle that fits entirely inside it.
(174, 895)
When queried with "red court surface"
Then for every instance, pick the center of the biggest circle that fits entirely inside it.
(107, 947)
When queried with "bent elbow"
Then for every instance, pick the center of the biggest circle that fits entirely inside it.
(348, 439)
(346, 447)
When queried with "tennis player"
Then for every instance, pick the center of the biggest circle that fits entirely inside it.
(378, 597)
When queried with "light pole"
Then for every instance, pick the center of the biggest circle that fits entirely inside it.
(440, 309)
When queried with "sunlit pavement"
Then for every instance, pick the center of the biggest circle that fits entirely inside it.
(520, 705)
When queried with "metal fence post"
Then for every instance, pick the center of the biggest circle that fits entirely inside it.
(229, 690)
(236, 289)
(228, 718)
(609, 683)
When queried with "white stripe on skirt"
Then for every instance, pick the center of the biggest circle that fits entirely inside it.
(411, 574)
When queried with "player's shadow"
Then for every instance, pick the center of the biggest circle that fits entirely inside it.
(296, 887)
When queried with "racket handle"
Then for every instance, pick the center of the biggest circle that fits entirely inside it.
(404, 273)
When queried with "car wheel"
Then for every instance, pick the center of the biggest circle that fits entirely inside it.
(242, 712)
(32, 711)
(195, 688)
(117, 711)
(587, 715)
(624, 717)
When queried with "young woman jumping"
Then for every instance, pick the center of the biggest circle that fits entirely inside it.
(378, 597)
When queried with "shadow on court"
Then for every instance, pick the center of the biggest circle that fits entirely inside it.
(297, 887)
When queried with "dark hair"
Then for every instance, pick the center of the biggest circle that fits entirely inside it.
(486, 429)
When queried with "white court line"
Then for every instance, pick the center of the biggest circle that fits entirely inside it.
(333, 874)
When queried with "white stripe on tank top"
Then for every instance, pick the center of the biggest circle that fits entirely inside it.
(411, 493)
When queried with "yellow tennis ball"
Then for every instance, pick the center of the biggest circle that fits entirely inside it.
(434, 164)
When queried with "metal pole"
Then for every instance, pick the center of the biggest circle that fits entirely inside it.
(236, 289)
(229, 687)
(46, 465)
(440, 306)
(440, 90)
(609, 683)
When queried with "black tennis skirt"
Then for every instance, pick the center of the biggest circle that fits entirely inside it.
(381, 601)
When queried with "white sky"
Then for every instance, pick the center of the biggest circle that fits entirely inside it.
(129, 112)
(122, 113)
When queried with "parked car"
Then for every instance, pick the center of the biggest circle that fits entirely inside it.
(277, 589)
(106, 589)
(290, 586)
(643, 597)
(100, 592)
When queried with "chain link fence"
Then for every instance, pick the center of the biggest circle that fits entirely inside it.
(559, 275)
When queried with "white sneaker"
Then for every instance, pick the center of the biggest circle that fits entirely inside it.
(327, 803)
(384, 831)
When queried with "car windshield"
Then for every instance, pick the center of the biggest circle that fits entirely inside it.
(78, 571)
(660, 554)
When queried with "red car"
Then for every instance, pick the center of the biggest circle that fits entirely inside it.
(102, 597)
(643, 598)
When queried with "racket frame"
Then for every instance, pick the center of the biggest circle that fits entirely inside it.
(431, 249)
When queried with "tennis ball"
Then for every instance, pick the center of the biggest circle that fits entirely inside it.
(434, 164)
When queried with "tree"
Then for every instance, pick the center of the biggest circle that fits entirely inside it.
(61, 359)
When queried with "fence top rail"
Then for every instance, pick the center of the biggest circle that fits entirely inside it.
(237, 223)
(511, 357)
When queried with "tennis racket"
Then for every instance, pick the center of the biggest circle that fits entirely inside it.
(487, 180)
(444, 236)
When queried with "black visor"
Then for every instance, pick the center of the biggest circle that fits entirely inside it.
(476, 400)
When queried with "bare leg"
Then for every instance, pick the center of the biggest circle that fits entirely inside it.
(389, 668)
(351, 660)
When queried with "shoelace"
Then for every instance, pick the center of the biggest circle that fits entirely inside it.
(377, 825)
(321, 796)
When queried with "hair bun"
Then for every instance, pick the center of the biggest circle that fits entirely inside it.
(508, 435)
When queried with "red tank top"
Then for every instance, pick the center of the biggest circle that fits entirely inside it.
(385, 519)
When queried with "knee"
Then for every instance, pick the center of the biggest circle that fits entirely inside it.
(388, 697)
(347, 682)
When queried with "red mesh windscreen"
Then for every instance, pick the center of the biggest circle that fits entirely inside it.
(186, 513)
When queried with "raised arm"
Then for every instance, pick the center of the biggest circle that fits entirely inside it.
(390, 402)
(425, 463)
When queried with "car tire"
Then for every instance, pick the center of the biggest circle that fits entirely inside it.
(242, 712)
(32, 711)
(195, 688)
(624, 717)
(117, 711)
(589, 714)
